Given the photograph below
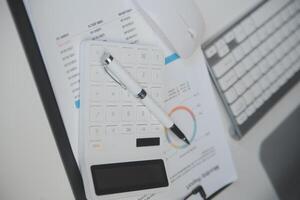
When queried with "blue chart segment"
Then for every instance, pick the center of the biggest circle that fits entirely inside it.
(192, 136)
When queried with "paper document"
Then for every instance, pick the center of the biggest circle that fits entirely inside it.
(60, 26)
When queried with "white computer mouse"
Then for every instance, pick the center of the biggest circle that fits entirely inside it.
(179, 23)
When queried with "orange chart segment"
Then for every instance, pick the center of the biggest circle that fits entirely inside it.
(179, 114)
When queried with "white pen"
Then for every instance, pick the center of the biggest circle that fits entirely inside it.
(117, 72)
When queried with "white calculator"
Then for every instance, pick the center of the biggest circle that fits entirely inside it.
(120, 142)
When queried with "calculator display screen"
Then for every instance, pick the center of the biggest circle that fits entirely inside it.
(129, 176)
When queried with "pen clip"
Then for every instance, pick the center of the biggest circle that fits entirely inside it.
(115, 79)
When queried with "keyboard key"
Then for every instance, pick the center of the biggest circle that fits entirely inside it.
(247, 46)
(240, 34)
(248, 25)
(224, 65)
(211, 51)
(248, 97)
(242, 118)
(254, 40)
(229, 37)
(256, 90)
(248, 63)
(250, 110)
(261, 34)
(240, 87)
(238, 53)
(255, 56)
(267, 94)
(258, 102)
(222, 48)
(240, 69)
(263, 66)
(231, 95)
(264, 83)
(227, 80)
(97, 113)
(248, 80)
(238, 106)
(256, 73)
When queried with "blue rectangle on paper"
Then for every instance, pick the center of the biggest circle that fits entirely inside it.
(77, 104)
(171, 58)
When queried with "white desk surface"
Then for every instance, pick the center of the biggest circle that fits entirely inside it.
(30, 165)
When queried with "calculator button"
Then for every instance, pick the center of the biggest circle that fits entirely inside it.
(96, 93)
(142, 113)
(126, 96)
(97, 113)
(157, 58)
(127, 129)
(112, 130)
(96, 146)
(142, 129)
(112, 114)
(128, 113)
(96, 74)
(156, 94)
(96, 132)
(157, 128)
(143, 75)
(113, 93)
(157, 76)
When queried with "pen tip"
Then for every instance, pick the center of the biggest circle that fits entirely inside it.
(187, 141)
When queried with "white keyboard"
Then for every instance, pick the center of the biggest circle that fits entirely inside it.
(256, 60)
